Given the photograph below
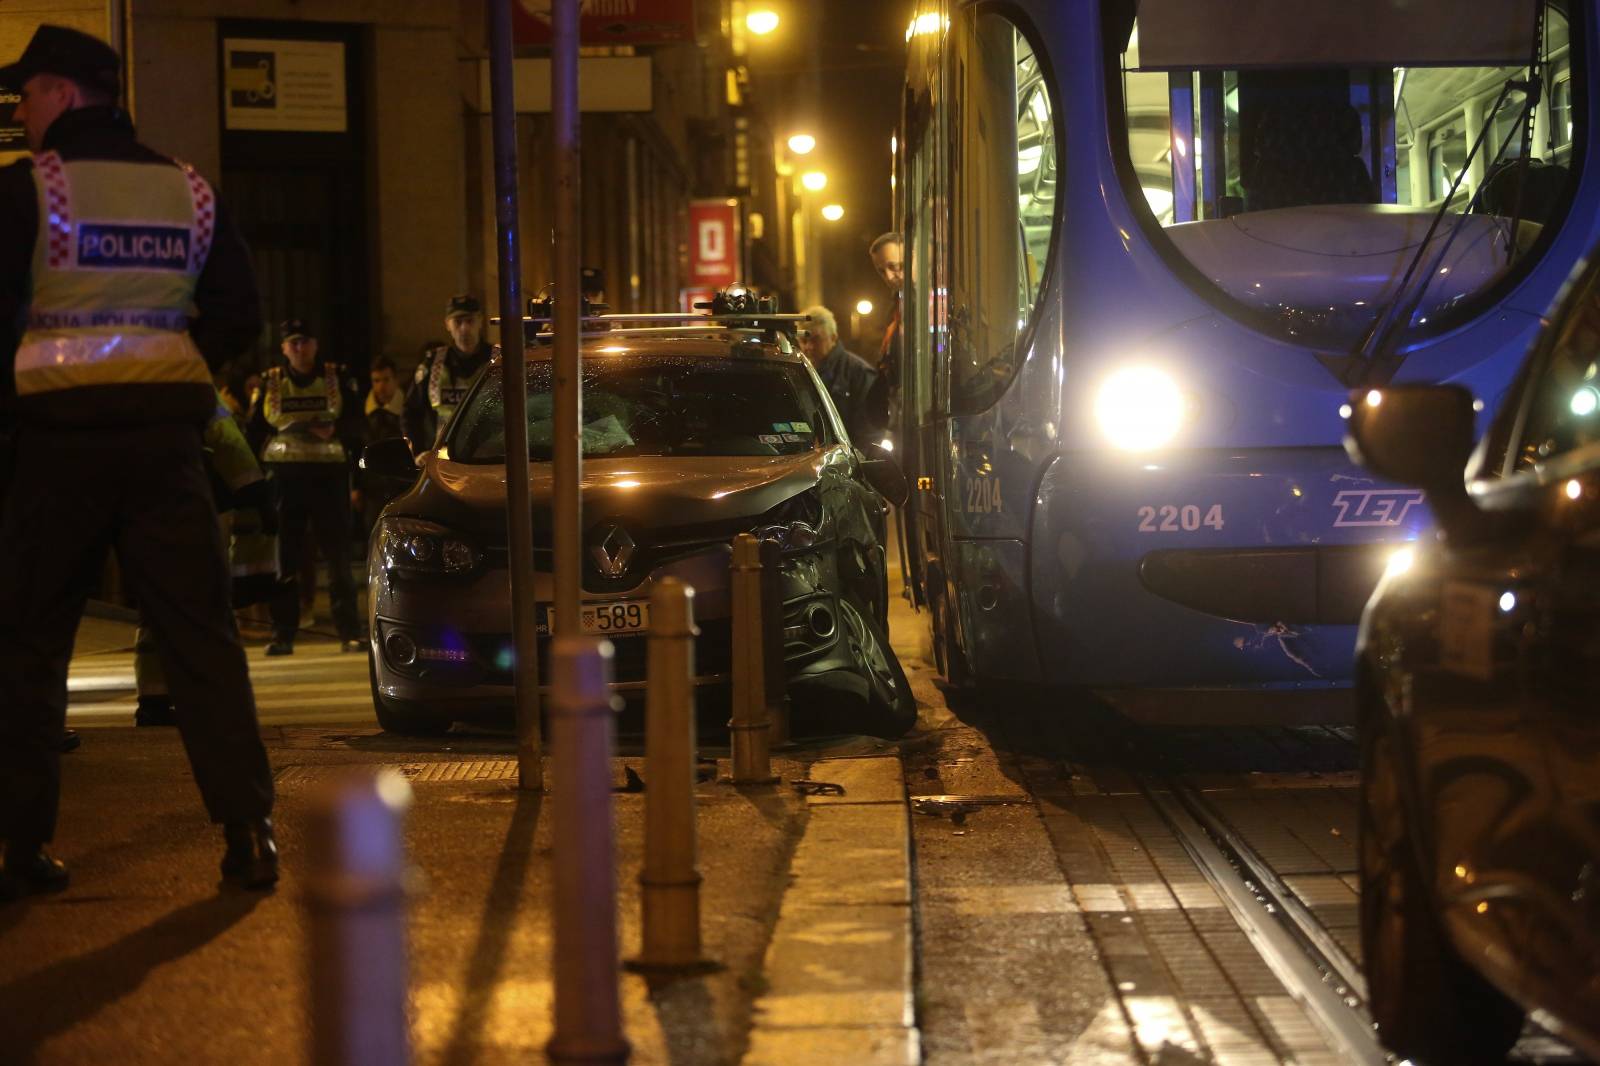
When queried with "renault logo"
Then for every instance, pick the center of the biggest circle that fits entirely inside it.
(612, 550)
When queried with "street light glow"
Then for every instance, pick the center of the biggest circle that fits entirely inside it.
(802, 143)
(863, 307)
(815, 180)
(761, 22)
(833, 212)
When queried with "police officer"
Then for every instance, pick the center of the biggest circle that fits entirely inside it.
(313, 418)
(446, 372)
(239, 487)
(130, 279)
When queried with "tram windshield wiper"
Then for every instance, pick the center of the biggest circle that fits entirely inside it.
(1376, 359)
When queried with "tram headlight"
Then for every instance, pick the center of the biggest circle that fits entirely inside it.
(1139, 408)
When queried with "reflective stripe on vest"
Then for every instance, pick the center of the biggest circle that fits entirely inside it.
(445, 392)
(298, 412)
(120, 247)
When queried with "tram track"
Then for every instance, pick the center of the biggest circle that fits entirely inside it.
(1294, 945)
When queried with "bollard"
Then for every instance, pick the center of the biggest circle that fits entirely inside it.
(355, 897)
(669, 883)
(750, 730)
(588, 1012)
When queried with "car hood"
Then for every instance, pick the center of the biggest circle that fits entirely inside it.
(651, 492)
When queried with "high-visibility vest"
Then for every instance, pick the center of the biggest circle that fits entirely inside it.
(119, 250)
(446, 390)
(297, 412)
(252, 559)
(231, 458)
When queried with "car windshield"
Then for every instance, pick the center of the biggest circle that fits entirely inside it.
(1296, 154)
(656, 405)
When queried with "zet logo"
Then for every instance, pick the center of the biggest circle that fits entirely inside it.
(1375, 507)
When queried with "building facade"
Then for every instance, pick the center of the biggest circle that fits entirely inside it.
(352, 140)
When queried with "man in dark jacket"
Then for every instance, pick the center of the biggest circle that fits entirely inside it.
(848, 377)
(112, 386)
(385, 420)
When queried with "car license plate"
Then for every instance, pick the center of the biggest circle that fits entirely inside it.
(615, 619)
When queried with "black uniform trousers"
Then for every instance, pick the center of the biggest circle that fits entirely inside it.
(318, 495)
(145, 494)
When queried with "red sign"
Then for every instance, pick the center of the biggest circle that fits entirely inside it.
(609, 21)
(713, 243)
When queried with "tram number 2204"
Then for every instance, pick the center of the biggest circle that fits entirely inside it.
(1172, 518)
(983, 495)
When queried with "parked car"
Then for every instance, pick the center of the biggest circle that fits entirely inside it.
(691, 436)
(1479, 701)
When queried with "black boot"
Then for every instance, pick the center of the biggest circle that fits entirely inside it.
(251, 860)
(70, 740)
(29, 869)
(154, 710)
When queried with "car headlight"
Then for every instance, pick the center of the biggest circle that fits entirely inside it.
(794, 524)
(417, 546)
(1139, 408)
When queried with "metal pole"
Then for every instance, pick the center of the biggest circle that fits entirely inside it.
(566, 506)
(117, 37)
(588, 1010)
(519, 507)
(355, 901)
(751, 731)
(670, 883)
(774, 681)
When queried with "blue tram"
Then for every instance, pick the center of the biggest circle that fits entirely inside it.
(1150, 248)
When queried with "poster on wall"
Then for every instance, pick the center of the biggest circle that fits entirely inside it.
(713, 243)
(13, 138)
(283, 86)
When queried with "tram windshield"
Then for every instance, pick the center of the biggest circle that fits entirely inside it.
(1297, 154)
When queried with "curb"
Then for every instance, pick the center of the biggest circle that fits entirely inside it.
(839, 966)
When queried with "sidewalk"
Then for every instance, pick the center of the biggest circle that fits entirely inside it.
(805, 904)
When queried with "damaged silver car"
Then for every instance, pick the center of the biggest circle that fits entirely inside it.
(690, 438)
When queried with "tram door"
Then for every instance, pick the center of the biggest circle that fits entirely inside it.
(922, 425)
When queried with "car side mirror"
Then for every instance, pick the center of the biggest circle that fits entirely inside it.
(886, 476)
(389, 459)
(1418, 435)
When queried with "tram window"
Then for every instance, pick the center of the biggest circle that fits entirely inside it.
(1565, 411)
(1561, 112)
(1447, 154)
(1235, 117)
(1003, 178)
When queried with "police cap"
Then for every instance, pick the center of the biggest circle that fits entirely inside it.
(290, 328)
(463, 304)
(67, 53)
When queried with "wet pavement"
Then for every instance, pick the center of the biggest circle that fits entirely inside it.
(1041, 898)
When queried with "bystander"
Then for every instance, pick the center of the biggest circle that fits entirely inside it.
(848, 377)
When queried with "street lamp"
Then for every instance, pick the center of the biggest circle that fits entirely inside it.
(814, 180)
(761, 22)
(833, 212)
(863, 307)
(802, 143)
